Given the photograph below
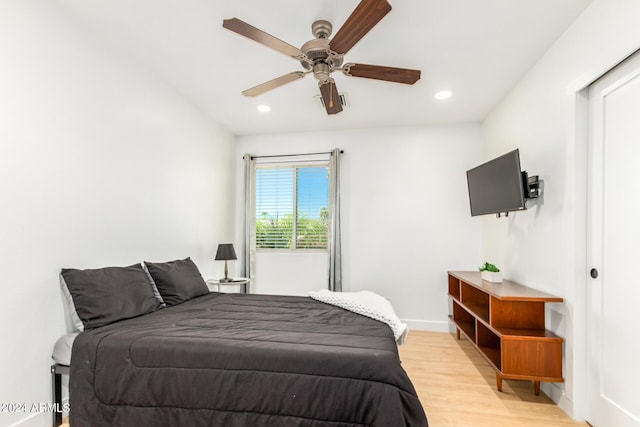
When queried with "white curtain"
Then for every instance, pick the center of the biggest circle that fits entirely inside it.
(248, 268)
(335, 253)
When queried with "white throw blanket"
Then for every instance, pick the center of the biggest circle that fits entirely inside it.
(368, 304)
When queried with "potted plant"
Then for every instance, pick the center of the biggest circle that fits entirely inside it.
(490, 273)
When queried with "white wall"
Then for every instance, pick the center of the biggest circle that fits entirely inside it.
(99, 165)
(405, 213)
(544, 247)
(290, 273)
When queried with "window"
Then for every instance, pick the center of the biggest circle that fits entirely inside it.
(292, 207)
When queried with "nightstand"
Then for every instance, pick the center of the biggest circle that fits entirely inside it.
(216, 286)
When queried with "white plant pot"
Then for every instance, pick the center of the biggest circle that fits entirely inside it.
(491, 276)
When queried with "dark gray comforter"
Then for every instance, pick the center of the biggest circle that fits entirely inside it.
(242, 360)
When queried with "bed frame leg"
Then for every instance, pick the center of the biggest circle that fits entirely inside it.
(56, 394)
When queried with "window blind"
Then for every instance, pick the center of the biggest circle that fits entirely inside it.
(292, 206)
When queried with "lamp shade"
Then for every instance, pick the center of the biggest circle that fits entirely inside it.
(225, 252)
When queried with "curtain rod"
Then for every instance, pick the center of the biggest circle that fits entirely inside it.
(293, 155)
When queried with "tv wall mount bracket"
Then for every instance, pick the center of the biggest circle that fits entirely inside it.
(532, 189)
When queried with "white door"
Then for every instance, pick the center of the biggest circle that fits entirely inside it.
(613, 297)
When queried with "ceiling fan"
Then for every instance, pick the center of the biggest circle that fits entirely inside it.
(322, 55)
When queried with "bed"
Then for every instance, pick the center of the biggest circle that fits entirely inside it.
(241, 360)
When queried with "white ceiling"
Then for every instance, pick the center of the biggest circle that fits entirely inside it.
(476, 48)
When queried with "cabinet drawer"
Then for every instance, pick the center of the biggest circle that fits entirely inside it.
(532, 358)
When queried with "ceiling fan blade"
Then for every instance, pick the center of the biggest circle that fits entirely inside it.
(249, 31)
(365, 16)
(272, 84)
(379, 72)
(330, 97)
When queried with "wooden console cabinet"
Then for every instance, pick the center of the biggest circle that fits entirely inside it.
(505, 321)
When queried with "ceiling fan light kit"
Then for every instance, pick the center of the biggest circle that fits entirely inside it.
(322, 55)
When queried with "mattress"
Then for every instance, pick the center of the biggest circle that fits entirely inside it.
(62, 349)
(242, 360)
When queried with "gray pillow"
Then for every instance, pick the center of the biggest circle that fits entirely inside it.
(156, 292)
(178, 281)
(71, 308)
(106, 295)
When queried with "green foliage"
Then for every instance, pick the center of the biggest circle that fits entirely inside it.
(274, 232)
(489, 267)
(312, 232)
(277, 232)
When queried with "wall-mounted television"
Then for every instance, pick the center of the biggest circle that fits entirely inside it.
(497, 186)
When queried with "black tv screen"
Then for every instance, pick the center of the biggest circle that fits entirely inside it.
(496, 186)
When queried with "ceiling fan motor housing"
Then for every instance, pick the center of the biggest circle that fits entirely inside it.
(317, 51)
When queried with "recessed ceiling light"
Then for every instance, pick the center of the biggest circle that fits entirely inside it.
(443, 94)
(263, 108)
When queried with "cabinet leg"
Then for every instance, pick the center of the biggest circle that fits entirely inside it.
(457, 333)
(536, 387)
(499, 381)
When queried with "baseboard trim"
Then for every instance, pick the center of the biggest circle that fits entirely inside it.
(555, 391)
(428, 325)
(39, 419)
(35, 419)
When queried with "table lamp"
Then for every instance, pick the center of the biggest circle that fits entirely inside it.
(225, 252)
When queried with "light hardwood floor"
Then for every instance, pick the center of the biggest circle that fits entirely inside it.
(457, 387)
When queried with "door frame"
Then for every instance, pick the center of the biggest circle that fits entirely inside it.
(578, 409)
(586, 291)
(582, 174)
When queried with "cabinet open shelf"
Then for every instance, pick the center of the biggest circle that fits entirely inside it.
(489, 345)
(480, 311)
(454, 288)
(506, 324)
(465, 321)
(475, 300)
